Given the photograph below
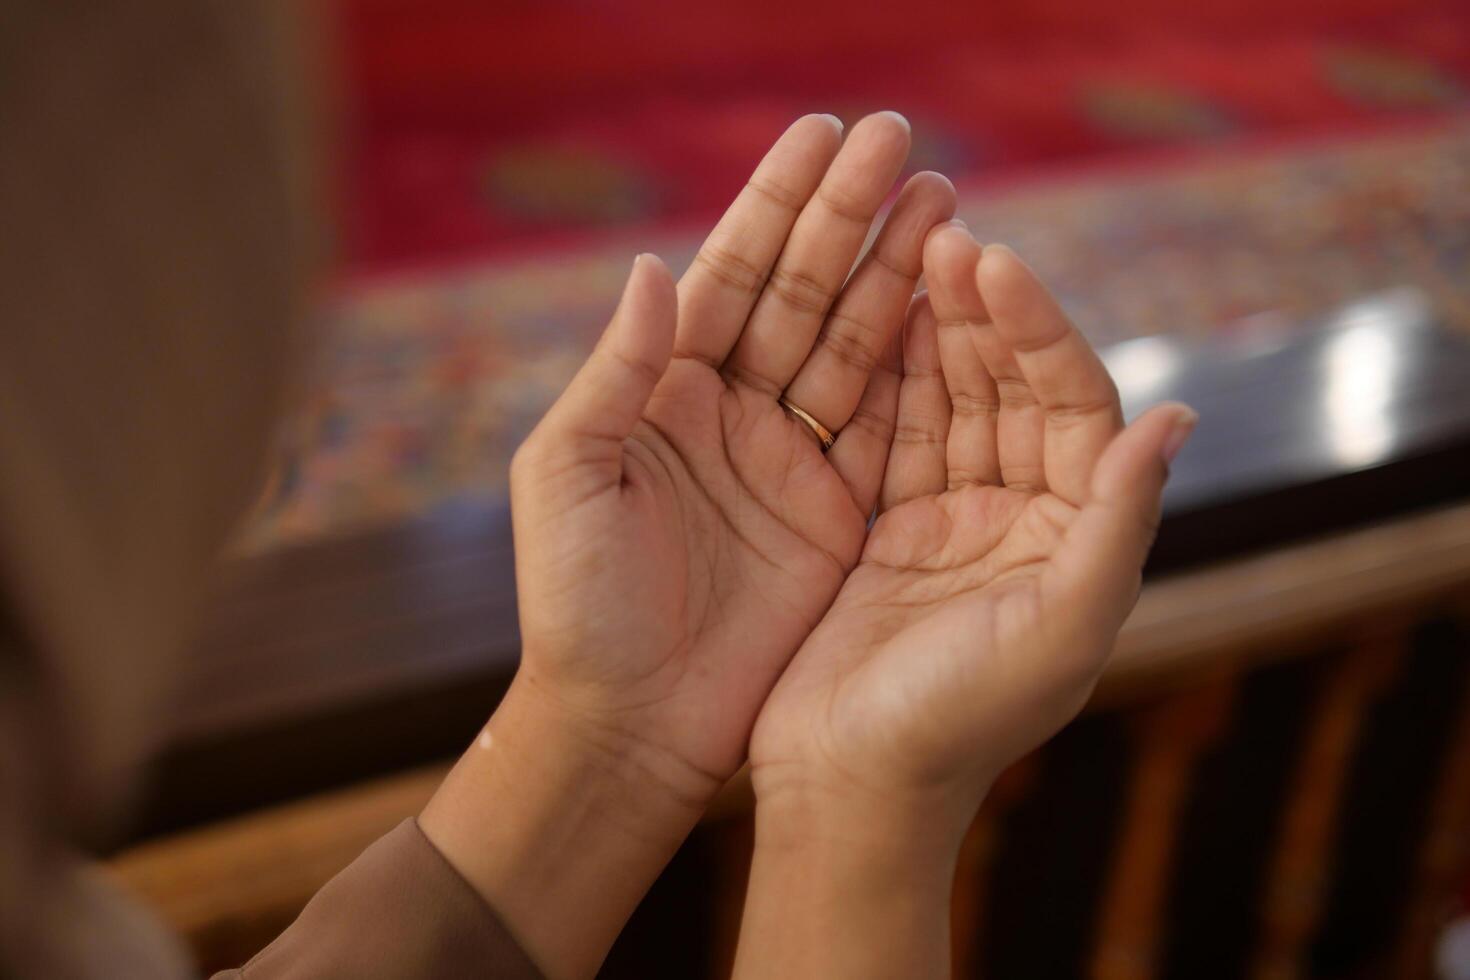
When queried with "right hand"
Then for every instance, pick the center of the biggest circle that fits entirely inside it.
(1015, 518)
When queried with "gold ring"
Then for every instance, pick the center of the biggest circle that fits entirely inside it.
(823, 434)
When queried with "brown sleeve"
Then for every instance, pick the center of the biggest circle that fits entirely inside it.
(399, 911)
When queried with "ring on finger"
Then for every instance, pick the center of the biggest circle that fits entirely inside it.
(823, 434)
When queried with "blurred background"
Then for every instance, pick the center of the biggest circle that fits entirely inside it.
(1260, 207)
(1167, 170)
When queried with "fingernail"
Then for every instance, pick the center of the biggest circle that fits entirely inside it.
(899, 116)
(1184, 423)
(834, 120)
(959, 223)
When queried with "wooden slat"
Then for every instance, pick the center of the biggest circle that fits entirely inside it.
(972, 871)
(1169, 738)
(1444, 854)
(1295, 890)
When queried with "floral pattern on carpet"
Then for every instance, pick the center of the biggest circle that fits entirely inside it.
(426, 383)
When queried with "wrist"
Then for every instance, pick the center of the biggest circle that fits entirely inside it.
(645, 786)
(556, 821)
(797, 807)
(844, 883)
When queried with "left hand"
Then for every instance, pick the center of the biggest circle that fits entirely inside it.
(678, 534)
(1014, 521)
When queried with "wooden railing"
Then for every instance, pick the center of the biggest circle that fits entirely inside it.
(1346, 608)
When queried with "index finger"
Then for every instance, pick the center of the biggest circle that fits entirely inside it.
(731, 268)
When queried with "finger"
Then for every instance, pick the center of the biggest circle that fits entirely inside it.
(861, 452)
(1061, 370)
(871, 307)
(916, 463)
(1020, 425)
(950, 258)
(1095, 572)
(819, 254)
(607, 396)
(730, 270)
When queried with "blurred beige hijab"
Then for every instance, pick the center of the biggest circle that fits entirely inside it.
(155, 231)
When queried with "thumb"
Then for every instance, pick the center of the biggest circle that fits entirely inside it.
(604, 401)
(1096, 569)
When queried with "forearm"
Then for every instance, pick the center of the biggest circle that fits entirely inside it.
(838, 891)
(561, 830)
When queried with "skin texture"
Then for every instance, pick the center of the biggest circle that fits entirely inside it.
(1015, 518)
(678, 534)
(685, 472)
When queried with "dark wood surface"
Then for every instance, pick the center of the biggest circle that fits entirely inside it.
(336, 660)
(328, 663)
(1306, 429)
(1313, 790)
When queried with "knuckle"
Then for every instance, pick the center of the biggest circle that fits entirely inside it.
(1095, 399)
(853, 344)
(800, 292)
(963, 476)
(895, 265)
(918, 432)
(873, 422)
(844, 204)
(1071, 416)
(976, 406)
(645, 373)
(1027, 479)
(915, 372)
(782, 197)
(750, 379)
(731, 268)
(1013, 393)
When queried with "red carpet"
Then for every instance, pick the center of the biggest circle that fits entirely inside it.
(481, 128)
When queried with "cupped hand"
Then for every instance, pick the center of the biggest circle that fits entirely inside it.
(678, 534)
(1015, 516)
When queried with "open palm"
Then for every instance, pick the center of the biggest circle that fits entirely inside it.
(1015, 516)
(678, 533)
